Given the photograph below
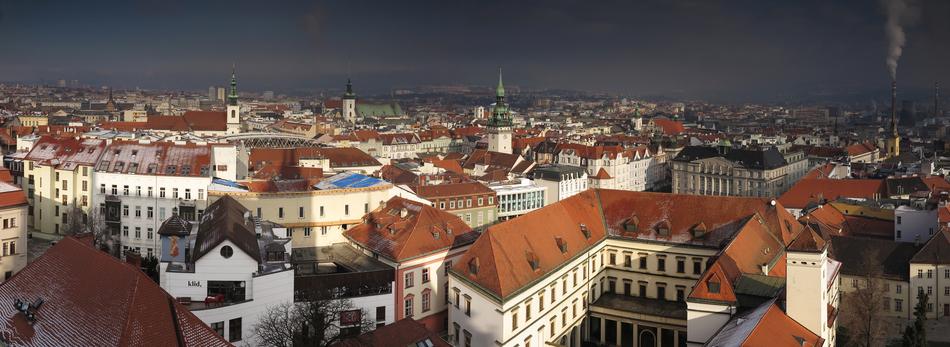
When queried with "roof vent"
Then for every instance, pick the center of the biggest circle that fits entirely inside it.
(28, 309)
(403, 212)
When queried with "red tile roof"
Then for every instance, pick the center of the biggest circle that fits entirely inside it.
(813, 190)
(500, 253)
(452, 190)
(66, 152)
(670, 127)
(338, 157)
(162, 158)
(860, 148)
(5, 175)
(777, 329)
(92, 299)
(11, 195)
(404, 229)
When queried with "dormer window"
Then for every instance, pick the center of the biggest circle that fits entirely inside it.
(663, 229)
(699, 230)
(713, 286)
(630, 225)
(585, 231)
(473, 266)
(532, 260)
(561, 244)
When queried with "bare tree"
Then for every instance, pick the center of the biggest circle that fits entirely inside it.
(79, 222)
(862, 310)
(310, 323)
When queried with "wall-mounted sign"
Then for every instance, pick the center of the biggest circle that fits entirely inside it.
(194, 283)
(351, 317)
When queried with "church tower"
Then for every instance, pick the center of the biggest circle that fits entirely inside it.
(233, 110)
(499, 124)
(893, 143)
(349, 103)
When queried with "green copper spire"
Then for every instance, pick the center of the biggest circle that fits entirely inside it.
(233, 96)
(500, 91)
(500, 116)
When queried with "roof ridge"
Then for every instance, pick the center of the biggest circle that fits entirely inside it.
(128, 312)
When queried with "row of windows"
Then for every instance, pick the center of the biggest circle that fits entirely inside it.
(930, 273)
(234, 329)
(462, 202)
(642, 260)
(301, 212)
(149, 192)
(138, 232)
(9, 223)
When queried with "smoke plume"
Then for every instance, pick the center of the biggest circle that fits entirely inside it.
(897, 12)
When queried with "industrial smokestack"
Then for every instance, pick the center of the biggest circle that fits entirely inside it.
(936, 99)
(894, 107)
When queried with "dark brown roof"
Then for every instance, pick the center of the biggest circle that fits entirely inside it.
(92, 299)
(404, 332)
(225, 220)
(175, 225)
(935, 251)
(807, 241)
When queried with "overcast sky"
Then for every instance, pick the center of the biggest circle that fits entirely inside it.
(698, 48)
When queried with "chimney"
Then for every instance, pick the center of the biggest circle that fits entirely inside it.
(936, 99)
(894, 107)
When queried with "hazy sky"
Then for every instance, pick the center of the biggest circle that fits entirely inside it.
(698, 48)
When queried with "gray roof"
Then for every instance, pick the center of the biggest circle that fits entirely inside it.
(861, 256)
(558, 172)
(759, 159)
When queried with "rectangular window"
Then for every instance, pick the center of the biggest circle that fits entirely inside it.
(161, 192)
(346, 210)
(680, 265)
(425, 301)
(425, 275)
(187, 194)
(149, 192)
(150, 212)
(898, 305)
(407, 307)
(380, 313)
(174, 193)
(514, 321)
(643, 262)
(408, 280)
(234, 330)
(661, 264)
(280, 212)
(218, 328)
(321, 211)
(300, 211)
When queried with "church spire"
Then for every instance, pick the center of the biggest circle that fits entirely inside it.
(500, 90)
(349, 94)
(233, 96)
(500, 116)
